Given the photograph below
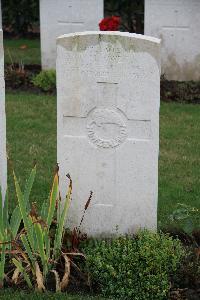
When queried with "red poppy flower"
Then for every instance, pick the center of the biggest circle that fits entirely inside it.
(110, 24)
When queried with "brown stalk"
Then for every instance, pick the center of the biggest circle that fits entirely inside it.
(86, 207)
(39, 278)
(15, 276)
(57, 278)
(65, 279)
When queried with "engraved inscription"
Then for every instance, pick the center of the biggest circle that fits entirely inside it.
(106, 128)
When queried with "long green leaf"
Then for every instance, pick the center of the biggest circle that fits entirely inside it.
(61, 222)
(40, 241)
(16, 217)
(15, 221)
(44, 210)
(29, 185)
(46, 243)
(22, 270)
(27, 221)
(53, 198)
(2, 264)
(5, 213)
(28, 250)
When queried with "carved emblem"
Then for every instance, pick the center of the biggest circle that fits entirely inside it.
(106, 128)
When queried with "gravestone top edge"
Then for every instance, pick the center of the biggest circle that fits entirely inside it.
(129, 41)
(111, 33)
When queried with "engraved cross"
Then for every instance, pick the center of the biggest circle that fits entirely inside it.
(105, 128)
(107, 100)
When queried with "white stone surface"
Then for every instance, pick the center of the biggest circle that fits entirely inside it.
(108, 88)
(59, 17)
(3, 164)
(177, 23)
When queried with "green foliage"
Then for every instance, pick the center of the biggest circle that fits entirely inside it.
(187, 217)
(20, 16)
(46, 80)
(34, 250)
(40, 257)
(136, 268)
(9, 227)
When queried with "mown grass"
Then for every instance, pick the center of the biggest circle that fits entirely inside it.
(22, 295)
(23, 51)
(31, 134)
(179, 164)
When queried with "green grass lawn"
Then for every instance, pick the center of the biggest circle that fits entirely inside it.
(31, 134)
(21, 295)
(179, 164)
(14, 52)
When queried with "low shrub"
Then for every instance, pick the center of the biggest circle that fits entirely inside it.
(180, 91)
(136, 268)
(45, 80)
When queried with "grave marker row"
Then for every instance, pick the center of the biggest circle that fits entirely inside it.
(176, 22)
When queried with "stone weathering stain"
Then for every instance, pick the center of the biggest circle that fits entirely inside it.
(65, 16)
(176, 23)
(108, 128)
(3, 164)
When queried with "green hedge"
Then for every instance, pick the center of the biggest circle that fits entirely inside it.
(19, 16)
(136, 268)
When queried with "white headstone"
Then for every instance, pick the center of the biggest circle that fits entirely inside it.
(177, 23)
(3, 164)
(59, 17)
(108, 87)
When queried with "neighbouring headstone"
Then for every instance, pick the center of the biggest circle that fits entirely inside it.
(177, 23)
(3, 163)
(108, 129)
(59, 17)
